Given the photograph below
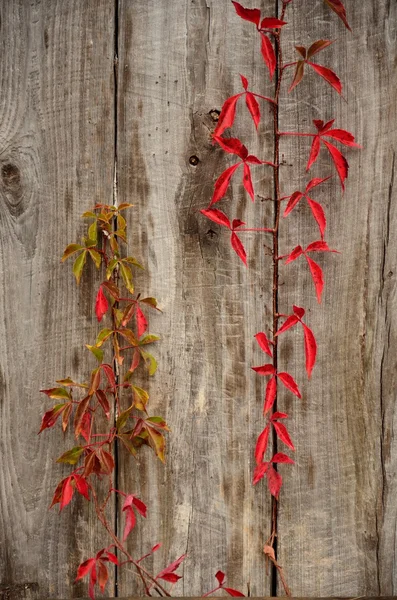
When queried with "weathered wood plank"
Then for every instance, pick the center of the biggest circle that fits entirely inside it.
(177, 62)
(56, 158)
(337, 517)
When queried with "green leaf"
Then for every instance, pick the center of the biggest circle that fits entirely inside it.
(127, 277)
(57, 393)
(111, 266)
(128, 444)
(129, 336)
(133, 261)
(68, 382)
(124, 205)
(150, 361)
(97, 352)
(159, 422)
(89, 214)
(69, 250)
(148, 339)
(112, 289)
(123, 418)
(71, 456)
(102, 336)
(157, 442)
(93, 232)
(151, 301)
(96, 257)
(141, 397)
(79, 265)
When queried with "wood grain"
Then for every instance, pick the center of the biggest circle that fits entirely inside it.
(337, 515)
(202, 502)
(63, 123)
(56, 158)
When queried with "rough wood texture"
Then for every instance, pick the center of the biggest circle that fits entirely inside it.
(177, 61)
(56, 158)
(202, 502)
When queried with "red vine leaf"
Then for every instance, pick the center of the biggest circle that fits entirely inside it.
(299, 72)
(220, 576)
(248, 14)
(318, 46)
(222, 183)
(339, 9)
(280, 457)
(101, 304)
(274, 481)
(289, 383)
(261, 445)
(253, 107)
(283, 434)
(264, 369)
(340, 162)
(310, 349)
(259, 472)
(141, 321)
(217, 216)
(272, 23)
(232, 146)
(227, 116)
(317, 276)
(168, 574)
(234, 593)
(289, 322)
(328, 75)
(264, 343)
(314, 152)
(269, 56)
(238, 247)
(247, 181)
(270, 394)
(318, 214)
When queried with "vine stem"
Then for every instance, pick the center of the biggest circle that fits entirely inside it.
(275, 252)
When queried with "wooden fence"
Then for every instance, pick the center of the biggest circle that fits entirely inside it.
(86, 82)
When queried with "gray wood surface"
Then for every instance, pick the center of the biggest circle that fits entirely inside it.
(56, 158)
(59, 137)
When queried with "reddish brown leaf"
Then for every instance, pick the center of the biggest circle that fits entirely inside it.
(51, 416)
(264, 343)
(248, 14)
(299, 72)
(344, 137)
(261, 445)
(339, 9)
(222, 184)
(227, 116)
(268, 54)
(103, 575)
(318, 46)
(104, 402)
(85, 568)
(283, 434)
(165, 573)
(81, 486)
(79, 415)
(238, 247)
(130, 521)
(328, 75)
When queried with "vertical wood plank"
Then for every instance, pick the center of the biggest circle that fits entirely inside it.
(177, 62)
(56, 159)
(337, 517)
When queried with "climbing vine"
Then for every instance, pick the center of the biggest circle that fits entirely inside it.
(110, 394)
